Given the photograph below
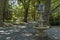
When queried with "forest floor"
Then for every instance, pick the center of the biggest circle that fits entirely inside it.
(21, 32)
(42, 38)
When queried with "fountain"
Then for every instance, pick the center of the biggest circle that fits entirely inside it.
(41, 23)
(41, 11)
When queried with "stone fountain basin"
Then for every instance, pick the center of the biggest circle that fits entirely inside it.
(41, 28)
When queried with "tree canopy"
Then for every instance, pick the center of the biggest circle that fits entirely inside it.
(27, 10)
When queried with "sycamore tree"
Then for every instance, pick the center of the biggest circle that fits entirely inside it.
(2, 7)
(25, 4)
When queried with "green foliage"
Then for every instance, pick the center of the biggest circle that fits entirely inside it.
(54, 18)
(29, 7)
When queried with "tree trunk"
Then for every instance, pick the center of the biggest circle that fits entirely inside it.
(5, 7)
(2, 7)
(25, 15)
(26, 7)
(46, 14)
(56, 8)
(34, 16)
(1, 12)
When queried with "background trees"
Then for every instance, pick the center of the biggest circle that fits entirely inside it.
(26, 10)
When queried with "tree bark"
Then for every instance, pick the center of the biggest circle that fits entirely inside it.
(26, 15)
(2, 6)
(26, 7)
(46, 14)
(1, 12)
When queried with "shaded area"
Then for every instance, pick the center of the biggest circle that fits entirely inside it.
(18, 33)
(53, 33)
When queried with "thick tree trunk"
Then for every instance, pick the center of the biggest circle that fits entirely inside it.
(1, 12)
(2, 6)
(25, 15)
(5, 7)
(46, 14)
(26, 7)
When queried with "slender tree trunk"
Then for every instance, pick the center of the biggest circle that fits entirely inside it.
(34, 13)
(34, 16)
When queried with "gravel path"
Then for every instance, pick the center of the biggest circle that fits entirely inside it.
(18, 33)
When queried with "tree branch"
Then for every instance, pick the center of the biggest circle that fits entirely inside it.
(52, 11)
